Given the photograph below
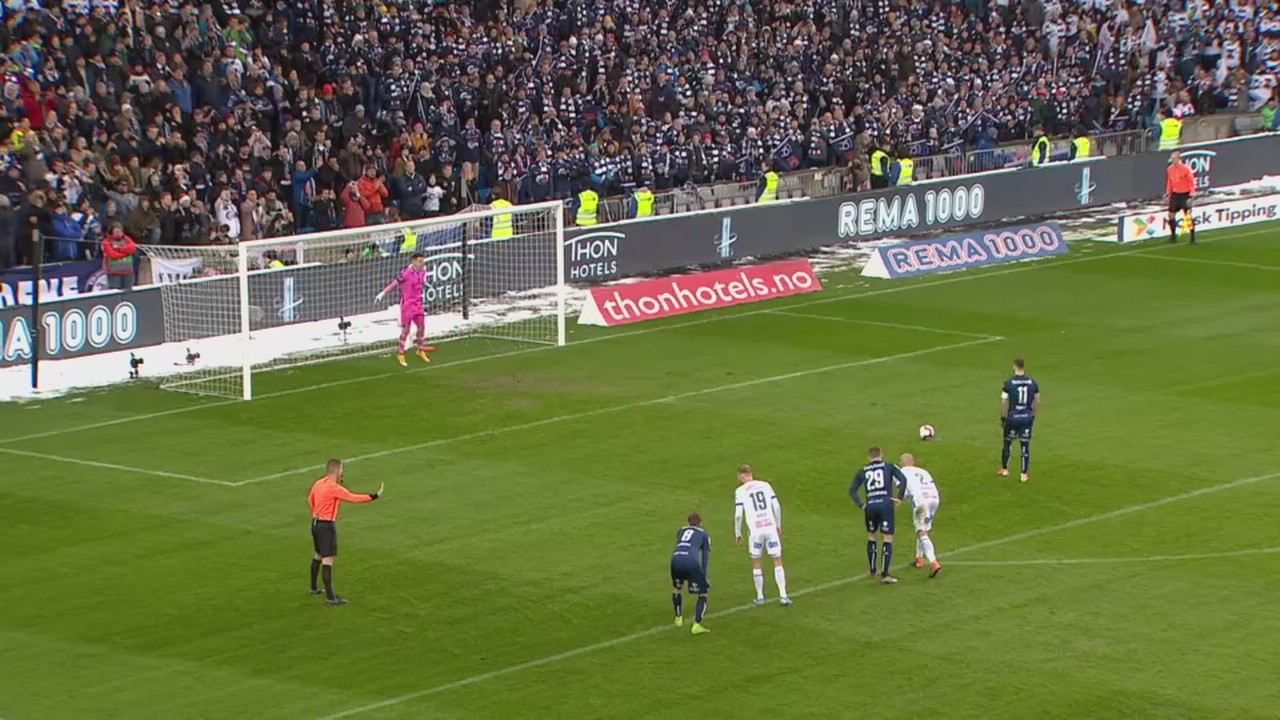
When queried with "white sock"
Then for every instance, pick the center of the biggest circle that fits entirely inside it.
(780, 577)
(919, 547)
(928, 549)
(759, 577)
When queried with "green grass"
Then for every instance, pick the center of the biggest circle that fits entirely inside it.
(537, 514)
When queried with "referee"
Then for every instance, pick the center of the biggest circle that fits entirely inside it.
(326, 494)
(1179, 186)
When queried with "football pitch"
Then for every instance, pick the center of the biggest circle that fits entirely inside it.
(155, 546)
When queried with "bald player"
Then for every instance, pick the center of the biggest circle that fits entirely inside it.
(924, 497)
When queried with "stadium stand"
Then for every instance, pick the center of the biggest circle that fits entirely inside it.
(192, 123)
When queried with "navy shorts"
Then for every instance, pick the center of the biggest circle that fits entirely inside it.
(1018, 429)
(879, 518)
(688, 570)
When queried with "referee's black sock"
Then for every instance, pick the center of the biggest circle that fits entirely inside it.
(315, 573)
(328, 582)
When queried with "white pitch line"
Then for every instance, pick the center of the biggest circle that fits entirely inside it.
(959, 277)
(878, 323)
(550, 659)
(1107, 561)
(1207, 261)
(113, 466)
(627, 406)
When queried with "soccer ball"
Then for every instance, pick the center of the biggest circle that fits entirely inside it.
(926, 432)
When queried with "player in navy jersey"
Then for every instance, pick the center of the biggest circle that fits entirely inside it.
(1019, 405)
(876, 480)
(689, 563)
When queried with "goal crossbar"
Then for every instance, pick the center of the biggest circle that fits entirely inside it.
(287, 302)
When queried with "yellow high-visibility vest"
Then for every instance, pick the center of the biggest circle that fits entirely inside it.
(770, 187)
(906, 171)
(1082, 147)
(879, 161)
(1041, 142)
(501, 221)
(587, 203)
(275, 264)
(1170, 133)
(644, 203)
(409, 243)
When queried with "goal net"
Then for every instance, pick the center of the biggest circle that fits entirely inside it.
(266, 305)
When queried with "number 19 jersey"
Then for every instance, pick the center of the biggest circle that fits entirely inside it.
(757, 503)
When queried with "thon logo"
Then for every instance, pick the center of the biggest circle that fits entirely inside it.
(1086, 186)
(1201, 162)
(726, 238)
(593, 256)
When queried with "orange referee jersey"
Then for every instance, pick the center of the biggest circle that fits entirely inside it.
(327, 495)
(1179, 179)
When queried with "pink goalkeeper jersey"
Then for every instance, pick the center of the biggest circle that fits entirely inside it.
(410, 282)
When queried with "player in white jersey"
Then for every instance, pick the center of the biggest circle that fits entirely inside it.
(757, 504)
(924, 497)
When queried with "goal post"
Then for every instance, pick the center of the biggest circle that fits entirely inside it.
(266, 305)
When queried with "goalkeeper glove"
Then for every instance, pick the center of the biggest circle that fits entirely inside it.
(379, 296)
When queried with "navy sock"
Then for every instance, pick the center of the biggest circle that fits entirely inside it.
(315, 572)
(871, 555)
(887, 547)
(328, 581)
(700, 609)
(1005, 452)
(1026, 457)
(678, 602)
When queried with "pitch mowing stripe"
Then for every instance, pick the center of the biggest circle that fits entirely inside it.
(878, 323)
(113, 466)
(1023, 266)
(628, 406)
(550, 659)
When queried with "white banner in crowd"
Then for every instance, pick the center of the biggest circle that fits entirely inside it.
(166, 271)
(1209, 217)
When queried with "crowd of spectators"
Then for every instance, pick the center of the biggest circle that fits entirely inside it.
(189, 123)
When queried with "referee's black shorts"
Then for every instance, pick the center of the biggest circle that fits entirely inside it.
(324, 536)
(1179, 202)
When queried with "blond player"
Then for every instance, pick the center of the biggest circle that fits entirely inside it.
(757, 504)
(924, 497)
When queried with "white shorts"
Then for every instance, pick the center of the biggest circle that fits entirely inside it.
(923, 515)
(765, 539)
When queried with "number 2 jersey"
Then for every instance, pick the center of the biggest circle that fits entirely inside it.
(757, 503)
(920, 486)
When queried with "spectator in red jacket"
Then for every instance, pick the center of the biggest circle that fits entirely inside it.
(118, 250)
(354, 206)
(373, 190)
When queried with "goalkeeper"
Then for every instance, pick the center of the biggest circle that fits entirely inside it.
(411, 281)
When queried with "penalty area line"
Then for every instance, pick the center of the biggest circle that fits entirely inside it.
(551, 659)
(113, 466)
(1114, 560)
